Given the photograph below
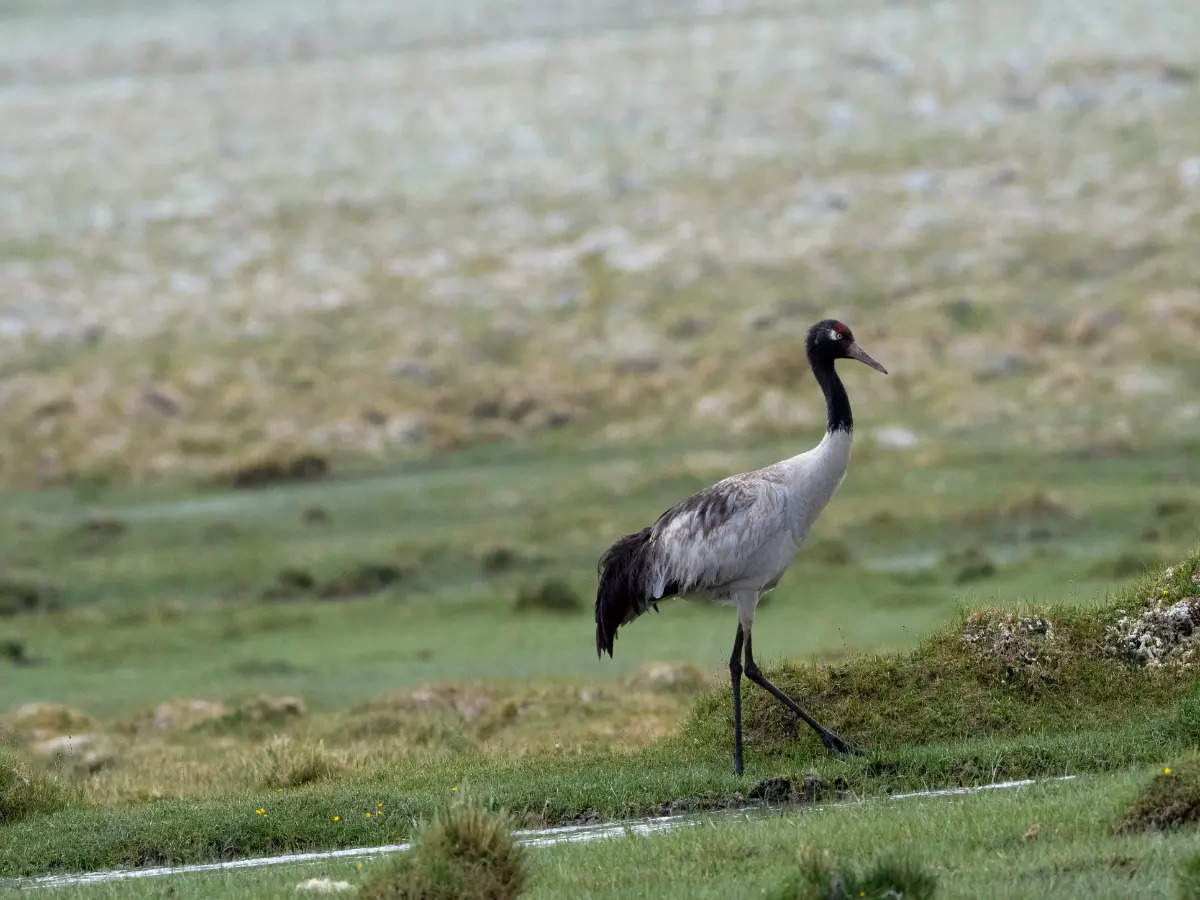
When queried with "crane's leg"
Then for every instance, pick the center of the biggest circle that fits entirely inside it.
(831, 741)
(735, 673)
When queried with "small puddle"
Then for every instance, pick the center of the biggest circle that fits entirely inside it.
(535, 837)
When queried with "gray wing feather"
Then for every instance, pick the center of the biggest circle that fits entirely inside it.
(706, 541)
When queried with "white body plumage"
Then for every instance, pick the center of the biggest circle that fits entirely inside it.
(736, 539)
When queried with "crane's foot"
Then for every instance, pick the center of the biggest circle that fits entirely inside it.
(839, 747)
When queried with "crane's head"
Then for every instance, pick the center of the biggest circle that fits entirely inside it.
(830, 339)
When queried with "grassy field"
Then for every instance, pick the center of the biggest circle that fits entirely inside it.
(1055, 838)
(338, 341)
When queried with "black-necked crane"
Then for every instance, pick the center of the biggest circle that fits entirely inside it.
(733, 541)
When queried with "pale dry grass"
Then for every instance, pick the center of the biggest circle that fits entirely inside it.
(171, 751)
(236, 235)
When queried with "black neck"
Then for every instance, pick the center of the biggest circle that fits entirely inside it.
(837, 404)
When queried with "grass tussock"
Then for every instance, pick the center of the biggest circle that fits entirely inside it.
(285, 762)
(1170, 799)
(552, 595)
(992, 674)
(889, 878)
(24, 792)
(464, 853)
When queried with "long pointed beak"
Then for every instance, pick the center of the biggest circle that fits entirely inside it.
(856, 352)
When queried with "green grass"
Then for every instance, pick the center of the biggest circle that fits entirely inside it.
(1168, 800)
(1045, 722)
(1054, 838)
(191, 569)
(544, 316)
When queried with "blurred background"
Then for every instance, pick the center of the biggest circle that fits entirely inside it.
(338, 340)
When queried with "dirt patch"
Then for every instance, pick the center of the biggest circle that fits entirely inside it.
(702, 802)
(16, 652)
(28, 596)
(361, 581)
(499, 559)
(316, 516)
(289, 584)
(307, 467)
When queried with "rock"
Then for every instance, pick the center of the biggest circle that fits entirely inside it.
(667, 677)
(1189, 172)
(1145, 382)
(323, 886)
(175, 715)
(896, 437)
(41, 721)
(162, 401)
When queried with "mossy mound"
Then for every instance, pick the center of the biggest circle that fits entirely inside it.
(1170, 799)
(993, 673)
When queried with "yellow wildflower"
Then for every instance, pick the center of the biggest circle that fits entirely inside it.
(1167, 770)
(337, 818)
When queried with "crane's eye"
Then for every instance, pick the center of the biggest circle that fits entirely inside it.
(834, 334)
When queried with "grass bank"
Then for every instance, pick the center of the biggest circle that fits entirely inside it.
(1006, 723)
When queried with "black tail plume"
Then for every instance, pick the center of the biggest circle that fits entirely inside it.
(622, 594)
